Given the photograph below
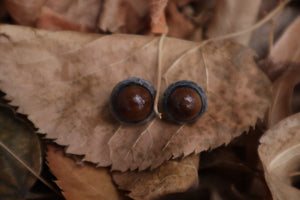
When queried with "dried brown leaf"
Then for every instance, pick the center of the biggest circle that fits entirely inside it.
(178, 25)
(234, 171)
(233, 15)
(18, 137)
(287, 48)
(172, 176)
(124, 16)
(157, 10)
(157, 16)
(50, 20)
(64, 86)
(69, 15)
(80, 181)
(24, 12)
(279, 153)
(283, 89)
(56, 15)
(283, 62)
(260, 38)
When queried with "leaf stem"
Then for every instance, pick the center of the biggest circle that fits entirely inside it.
(160, 44)
(294, 174)
(271, 35)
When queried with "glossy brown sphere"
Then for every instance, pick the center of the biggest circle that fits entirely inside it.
(134, 103)
(184, 104)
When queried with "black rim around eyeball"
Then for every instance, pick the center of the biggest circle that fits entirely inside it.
(181, 84)
(133, 81)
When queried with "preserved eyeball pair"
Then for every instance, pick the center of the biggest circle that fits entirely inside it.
(132, 101)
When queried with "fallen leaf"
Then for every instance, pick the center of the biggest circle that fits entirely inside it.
(69, 15)
(285, 53)
(233, 15)
(231, 172)
(178, 25)
(52, 21)
(279, 153)
(157, 10)
(287, 48)
(124, 16)
(157, 15)
(56, 15)
(234, 171)
(172, 176)
(230, 180)
(260, 38)
(15, 134)
(282, 66)
(64, 86)
(24, 12)
(80, 181)
(283, 89)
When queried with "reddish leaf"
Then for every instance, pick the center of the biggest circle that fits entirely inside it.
(157, 15)
(80, 182)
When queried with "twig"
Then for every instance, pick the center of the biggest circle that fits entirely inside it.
(294, 174)
(271, 35)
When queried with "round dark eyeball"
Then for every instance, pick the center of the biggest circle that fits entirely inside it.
(132, 100)
(184, 102)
